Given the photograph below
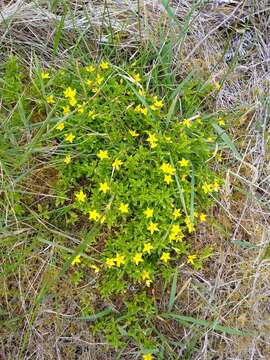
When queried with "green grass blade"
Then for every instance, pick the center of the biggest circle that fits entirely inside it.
(58, 34)
(173, 291)
(227, 140)
(180, 189)
(168, 8)
(213, 325)
(171, 111)
(192, 195)
(244, 244)
(96, 316)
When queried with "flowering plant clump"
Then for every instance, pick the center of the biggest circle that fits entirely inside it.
(103, 159)
(132, 169)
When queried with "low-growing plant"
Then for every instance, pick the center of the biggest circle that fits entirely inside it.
(130, 162)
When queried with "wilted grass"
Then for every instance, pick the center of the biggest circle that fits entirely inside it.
(234, 289)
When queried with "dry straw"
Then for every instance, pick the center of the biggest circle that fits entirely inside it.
(237, 286)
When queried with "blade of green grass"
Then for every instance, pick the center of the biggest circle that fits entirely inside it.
(180, 190)
(212, 325)
(96, 316)
(192, 194)
(58, 34)
(168, 8)
(227, 140)
(244, 244)
(171, 111)
(173, 291)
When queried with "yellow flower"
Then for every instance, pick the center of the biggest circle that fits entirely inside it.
(189, 225)
(165, 257)
(70, 137)
(167, 168)
(89, 82)
(104, 65)
(152, 139)
(176, 233)
(102, 219)
(50, 99)
(81, 108)
(148, 357)
(99, 79)
(103, 154)
(153, 227)
(67, 159)
(123, 208)
(147, 248)
(183, 162)
(141, 92)
(72, 101)
(145, 275)
(144, 111)
(221, 122)
(217, 85)
(172, 236)
(133, 133)
(117, 163)
(137, 77)
(90, 68)
(80, 196)
(137, 258)
(77, 260)
(45, 75)
(95, 268)
(187, 123)
(207, 188)
(148, 213)
(66, 110)
(140, 109)
(158, 104)
(168, 179)
(94, 215)
(218, 156)
(215, 186)
(202, 217)
(168, 139)
(191, 259)
(179, 237)
(104, 187)
(146, 278)
(110, 262)
(176, 214)
(60, 126)
(92, 114)
(184, 177)
(119, 260)
(70, 93)
(176, 229)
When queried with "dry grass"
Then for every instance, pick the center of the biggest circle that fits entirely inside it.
(236, 286)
